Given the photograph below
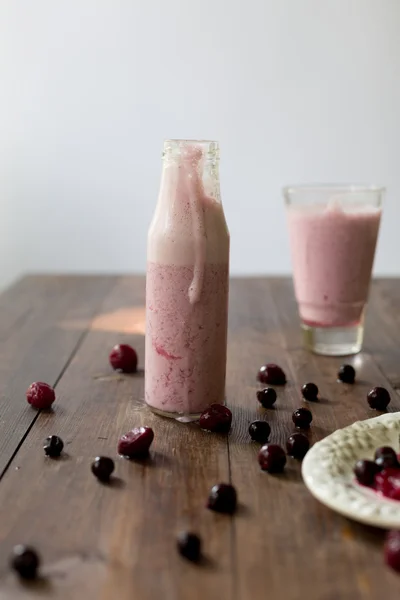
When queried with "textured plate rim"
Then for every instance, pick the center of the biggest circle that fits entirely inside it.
(327, 470)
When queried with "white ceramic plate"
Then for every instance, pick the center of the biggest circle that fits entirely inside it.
(328, 470)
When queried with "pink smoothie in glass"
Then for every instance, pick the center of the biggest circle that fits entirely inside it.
(332, 249)
(186, 289)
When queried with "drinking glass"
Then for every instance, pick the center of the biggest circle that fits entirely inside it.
(333, 231)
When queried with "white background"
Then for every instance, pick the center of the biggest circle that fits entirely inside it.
(294, 90)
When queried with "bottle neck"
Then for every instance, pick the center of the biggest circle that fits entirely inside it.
(188, 225)
(191, 165)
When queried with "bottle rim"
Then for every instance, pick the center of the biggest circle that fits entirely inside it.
(175, 148)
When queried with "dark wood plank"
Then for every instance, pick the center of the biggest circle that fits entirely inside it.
(383, 328)
(289, 546)
(118, 541)
(36, 342)
(115, 541)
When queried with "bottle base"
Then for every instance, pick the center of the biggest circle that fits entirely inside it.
(181, 417)
(333, 341)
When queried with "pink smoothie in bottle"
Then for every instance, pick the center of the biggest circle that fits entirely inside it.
(187, 285)
(332, 247)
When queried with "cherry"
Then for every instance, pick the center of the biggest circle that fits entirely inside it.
(266, 397)
(40, 395)
(216, 418)
(222, 498)
(297, 445)
(388, 482)
(386, 457)
(259, 431)
(365, 471)
(53, 446)
(346, 374)
(25, 561)
(378, 398)
(392, 550)
(310, 392)
(302, 418)
(102, 468)
(189, 545)
(272, 458)
(271, 374)
(136, 443)
(123, 358)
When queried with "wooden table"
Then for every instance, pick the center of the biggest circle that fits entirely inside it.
(117, 542)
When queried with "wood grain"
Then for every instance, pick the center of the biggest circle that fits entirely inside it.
(308, 551)
(35, 344)
(383, 328)
(118, 541)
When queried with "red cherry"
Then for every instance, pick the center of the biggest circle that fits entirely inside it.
(123, 358)
(40, 395)
(388, 483)
(136, 443)
(217, 418)
(392, 550)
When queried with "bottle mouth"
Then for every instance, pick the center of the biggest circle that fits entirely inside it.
(207, 149)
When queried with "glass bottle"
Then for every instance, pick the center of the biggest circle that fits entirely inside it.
(187, 284)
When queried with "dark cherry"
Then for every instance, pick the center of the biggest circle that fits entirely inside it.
(387, 461)
(365, 471)
(386, 458)
(302, 418)
(378, 398)
(123, 358)
(53, 446)
(40, 395)
(102, 468)
(272, 458)
(310, 392)
(189, 545)
(392, 550)
(222, 498)
(346, 374)
(216, 418)
(136, 443)
(385, 451)
(25, 561)
(259, 431)
(297, 445)
(271, 374)
(266, 397)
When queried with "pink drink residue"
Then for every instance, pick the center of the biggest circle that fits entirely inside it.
(332, 255)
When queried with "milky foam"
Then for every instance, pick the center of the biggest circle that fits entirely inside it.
(188, 227)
